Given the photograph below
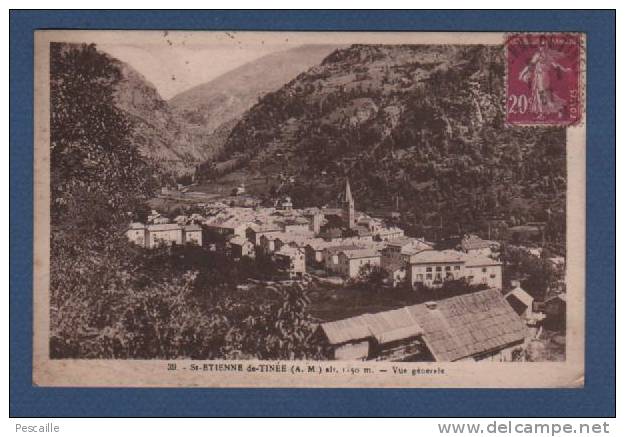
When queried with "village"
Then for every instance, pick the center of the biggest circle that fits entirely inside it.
(481, 319)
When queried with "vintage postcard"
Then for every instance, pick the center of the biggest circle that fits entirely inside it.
(309, 209)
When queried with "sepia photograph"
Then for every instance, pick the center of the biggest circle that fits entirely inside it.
(309, 209)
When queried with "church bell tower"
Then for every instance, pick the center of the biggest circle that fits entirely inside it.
(350, 213)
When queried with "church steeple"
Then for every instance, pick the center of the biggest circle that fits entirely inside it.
(350, 214)
(348, 192)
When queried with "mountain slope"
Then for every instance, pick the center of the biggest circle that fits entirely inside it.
(158, 132)
(192, 127)
(206, 107)
(418, 126)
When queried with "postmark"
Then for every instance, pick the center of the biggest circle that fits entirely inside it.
(543, 81)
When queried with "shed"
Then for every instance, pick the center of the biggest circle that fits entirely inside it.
(348, 338)
(555, 312)
(521, 301)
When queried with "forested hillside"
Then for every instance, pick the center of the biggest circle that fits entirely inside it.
(421, 127)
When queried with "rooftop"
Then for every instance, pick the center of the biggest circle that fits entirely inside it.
(238, 241)
(409, 246)
(237, 216)
(468, 325)
(294, 221)
(400, 241)
(265, 227)
(473, 242)
(518, 305)
(360, 253)
(390, 230)
(164, 227)
(332, 211)
(343, 331)
(303, 237)
(453, 328)
(311, 210)
(320, 243)
(362, 231)
(480, 260)
(438, 256)
(519, 295)
(392, 325)
(289, 251)
(337, 249)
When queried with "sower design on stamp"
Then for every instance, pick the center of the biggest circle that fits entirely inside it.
(543, 80)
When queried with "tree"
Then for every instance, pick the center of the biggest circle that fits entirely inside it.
(97, 174)
(98, 182)
(277, 328)
(537, 275)
(206, 171)
(371, 277)
(163, 321)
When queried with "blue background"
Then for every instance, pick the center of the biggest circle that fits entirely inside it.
(596, 399)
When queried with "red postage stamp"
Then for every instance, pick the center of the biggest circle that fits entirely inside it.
(543, 78)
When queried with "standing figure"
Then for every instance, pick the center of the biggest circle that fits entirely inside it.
(537, 73)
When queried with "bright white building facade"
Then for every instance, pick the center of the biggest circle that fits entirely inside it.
(433, 268)
(167, 234)
(350, 261)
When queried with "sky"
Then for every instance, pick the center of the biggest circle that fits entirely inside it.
(173, 67)
(175, 61)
